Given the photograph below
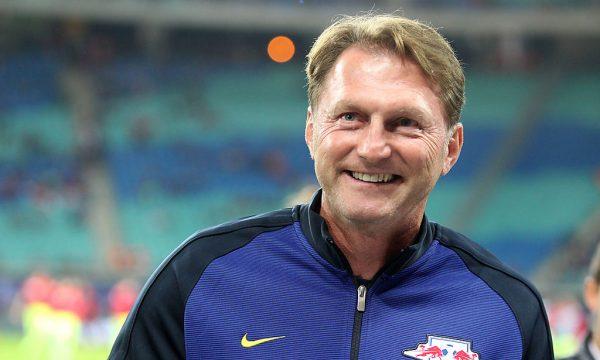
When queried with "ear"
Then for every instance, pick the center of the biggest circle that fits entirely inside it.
(590, 294)
(308, 131)
(454, 147)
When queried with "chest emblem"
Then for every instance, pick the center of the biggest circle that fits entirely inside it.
(252, 343)
(442, 348)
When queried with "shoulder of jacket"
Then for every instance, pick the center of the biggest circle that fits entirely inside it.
(164, 296)
(208, 244)
(188, 261)
(478, 259)
(273, 219)
(518, 293)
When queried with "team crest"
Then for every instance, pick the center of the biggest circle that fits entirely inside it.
(441, 348)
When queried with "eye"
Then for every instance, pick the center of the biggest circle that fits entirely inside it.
(349, 117)
(406, 122)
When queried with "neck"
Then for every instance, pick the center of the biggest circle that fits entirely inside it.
(368, 248)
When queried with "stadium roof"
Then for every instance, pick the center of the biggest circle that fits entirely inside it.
(305, 18)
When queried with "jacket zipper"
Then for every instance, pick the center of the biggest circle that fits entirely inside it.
(361, 303)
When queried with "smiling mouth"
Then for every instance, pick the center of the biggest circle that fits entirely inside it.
(372, 178)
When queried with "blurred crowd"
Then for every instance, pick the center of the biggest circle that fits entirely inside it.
(569, 323)
(57, 315)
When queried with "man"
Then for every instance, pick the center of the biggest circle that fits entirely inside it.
(359, 272)
(590, 349)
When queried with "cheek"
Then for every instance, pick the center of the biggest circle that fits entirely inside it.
(333, 143)
(324, 151)
(323, 134)
(434, 153)
(426, 154)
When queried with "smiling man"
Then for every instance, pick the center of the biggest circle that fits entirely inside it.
(380, 141)
(359, 272)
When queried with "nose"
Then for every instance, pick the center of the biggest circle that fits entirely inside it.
(373, 144)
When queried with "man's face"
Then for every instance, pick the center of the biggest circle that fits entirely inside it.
(378, 138)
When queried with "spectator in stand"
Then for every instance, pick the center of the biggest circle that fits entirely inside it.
(37, 316)
(590, 349)
(71, 305)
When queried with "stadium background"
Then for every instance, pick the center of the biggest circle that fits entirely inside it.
(125, 126)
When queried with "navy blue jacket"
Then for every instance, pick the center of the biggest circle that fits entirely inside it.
(275, 286)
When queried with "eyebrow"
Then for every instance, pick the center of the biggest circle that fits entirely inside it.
(405, 111)
(344, 104)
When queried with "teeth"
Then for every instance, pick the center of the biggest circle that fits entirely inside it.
(374, 178)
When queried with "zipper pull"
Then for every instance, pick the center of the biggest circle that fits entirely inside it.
(362, 298)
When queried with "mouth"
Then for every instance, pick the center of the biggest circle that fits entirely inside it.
(377, 178)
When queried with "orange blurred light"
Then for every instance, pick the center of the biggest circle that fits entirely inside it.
(281, 49)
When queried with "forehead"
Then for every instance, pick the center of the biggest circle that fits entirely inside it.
(375, 62)
(361, 75)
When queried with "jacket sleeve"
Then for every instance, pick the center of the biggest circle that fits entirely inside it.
(154, 327)
(540, 341)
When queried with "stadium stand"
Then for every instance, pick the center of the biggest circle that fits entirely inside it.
(163, 147)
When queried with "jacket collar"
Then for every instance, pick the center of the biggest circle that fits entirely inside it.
(315, 230)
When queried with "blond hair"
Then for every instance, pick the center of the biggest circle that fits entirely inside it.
(400, 35)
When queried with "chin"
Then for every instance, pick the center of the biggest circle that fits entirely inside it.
(360, 209)
(367, 215)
